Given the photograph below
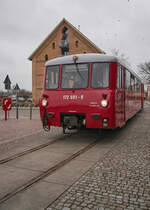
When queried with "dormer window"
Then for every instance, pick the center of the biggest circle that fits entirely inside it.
(53, 45)
(46, 57)
(76, 44)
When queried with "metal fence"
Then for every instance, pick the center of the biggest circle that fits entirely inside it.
(21, 113)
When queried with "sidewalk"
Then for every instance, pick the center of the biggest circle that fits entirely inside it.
(12, 128)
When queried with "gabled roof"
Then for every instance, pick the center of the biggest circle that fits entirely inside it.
(64, 21)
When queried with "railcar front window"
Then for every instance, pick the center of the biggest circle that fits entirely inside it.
(74, 76)
(52, 77)
(100, 75)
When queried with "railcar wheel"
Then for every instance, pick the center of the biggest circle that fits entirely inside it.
(64, 130)
(46, 126)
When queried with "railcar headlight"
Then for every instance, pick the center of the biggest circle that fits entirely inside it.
(44, 102)
(104, 103)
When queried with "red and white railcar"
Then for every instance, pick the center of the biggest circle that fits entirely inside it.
(94, 90)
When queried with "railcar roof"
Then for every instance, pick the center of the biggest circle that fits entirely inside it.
(87, 58)
(82, 58)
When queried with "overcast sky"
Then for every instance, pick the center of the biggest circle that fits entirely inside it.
(24, 24)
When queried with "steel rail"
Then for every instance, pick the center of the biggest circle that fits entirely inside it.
(15, 156)
(46, 173)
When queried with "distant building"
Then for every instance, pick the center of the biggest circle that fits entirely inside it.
(65, 39)
(16, 88)
(7, 83)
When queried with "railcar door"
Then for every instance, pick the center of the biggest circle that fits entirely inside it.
(123, 93)
(120, 97)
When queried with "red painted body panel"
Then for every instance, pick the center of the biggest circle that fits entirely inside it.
(122, 104)
(80, 101)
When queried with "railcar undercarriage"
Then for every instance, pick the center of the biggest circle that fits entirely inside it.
(72, 121)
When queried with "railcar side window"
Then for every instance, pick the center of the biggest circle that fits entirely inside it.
(52, 77)
(74, 76)
(122, 79)
(118, 76)
(100, 75)
(132, 83)
(127, 80)
(138, 86)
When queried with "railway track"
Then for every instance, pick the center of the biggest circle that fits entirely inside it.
(15, 156)
(26, 152)
(45, 173)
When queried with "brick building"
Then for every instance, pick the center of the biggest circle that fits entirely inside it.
(64, 39)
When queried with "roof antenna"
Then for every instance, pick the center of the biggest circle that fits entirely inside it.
(79, 27)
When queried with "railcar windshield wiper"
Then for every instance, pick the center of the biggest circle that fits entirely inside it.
(75, 58)
(79, 72)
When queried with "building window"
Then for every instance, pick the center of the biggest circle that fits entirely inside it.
(53, 45)
(76, 44)
(46, 57)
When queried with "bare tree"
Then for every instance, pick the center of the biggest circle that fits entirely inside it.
(144, 71)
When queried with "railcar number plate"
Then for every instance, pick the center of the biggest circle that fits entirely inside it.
(73, 97)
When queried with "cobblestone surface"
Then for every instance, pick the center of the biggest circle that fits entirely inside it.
(121, 180)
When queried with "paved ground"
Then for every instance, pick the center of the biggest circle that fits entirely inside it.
(12, 128)
(121, 180)
(17, 172)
